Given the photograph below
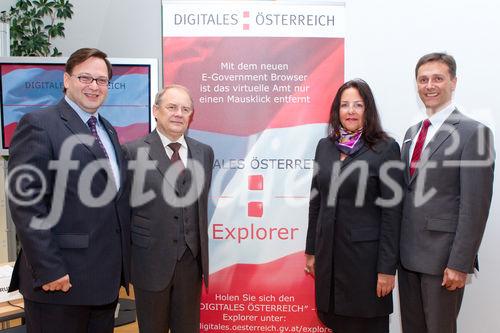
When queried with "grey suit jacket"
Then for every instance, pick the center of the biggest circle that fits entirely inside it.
(153, 223)
(447, 199)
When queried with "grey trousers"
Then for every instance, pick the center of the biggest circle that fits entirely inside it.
(426, 306)
(177, 307)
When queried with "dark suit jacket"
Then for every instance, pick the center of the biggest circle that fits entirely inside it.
(89, 244)
(360, 241)
(446, 230)
(154, 229)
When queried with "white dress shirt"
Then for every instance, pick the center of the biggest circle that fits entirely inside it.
(183, 150)
(104, 136)
(436, 121)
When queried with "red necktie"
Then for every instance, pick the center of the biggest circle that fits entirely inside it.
(175, 146)
(417, 151)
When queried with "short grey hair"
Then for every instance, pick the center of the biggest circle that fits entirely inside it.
(160, 94)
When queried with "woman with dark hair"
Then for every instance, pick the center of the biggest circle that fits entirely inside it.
(352, 241)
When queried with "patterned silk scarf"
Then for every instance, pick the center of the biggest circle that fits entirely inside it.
(349, 142)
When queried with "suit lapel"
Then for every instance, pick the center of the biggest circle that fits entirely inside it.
(75, 124)
(157, 153)
(405, 151)
(335, 156)
(448, 127)
(117, 150)
(353, 157)
(114, 138)
(195, 152)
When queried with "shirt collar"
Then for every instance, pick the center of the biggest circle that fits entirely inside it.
(85, 116)
(438, 118)
(166, 141)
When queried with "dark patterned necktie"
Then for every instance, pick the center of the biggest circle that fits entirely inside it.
(92, 125)
(175, 146)
(417, 151)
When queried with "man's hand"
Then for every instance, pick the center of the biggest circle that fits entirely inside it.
(385, 284)
(453, 279)
(61, 284)
(309, 269)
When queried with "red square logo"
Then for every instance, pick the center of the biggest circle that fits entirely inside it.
(246, 13)
(246, 26)
(256, 183)
(255, 209)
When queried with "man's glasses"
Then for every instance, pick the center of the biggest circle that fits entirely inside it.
(87, 79)
(172, 108)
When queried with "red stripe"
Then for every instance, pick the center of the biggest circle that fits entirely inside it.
(130, 69)
(8, 132)
(7, 68)
(117, 69)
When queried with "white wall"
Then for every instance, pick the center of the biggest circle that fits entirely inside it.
(121, 28)
(6, 4)
(384, 40)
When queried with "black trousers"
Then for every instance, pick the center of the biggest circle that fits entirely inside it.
(58, 318)
(177, 307)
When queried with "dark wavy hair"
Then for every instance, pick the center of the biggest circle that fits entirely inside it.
(372, 129)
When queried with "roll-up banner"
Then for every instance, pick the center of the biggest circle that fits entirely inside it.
(262, 76)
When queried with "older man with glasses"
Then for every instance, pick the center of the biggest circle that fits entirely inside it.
(169, 232)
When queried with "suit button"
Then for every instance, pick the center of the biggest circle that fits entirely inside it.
(117, 230)
(176, 217)
(175, 240)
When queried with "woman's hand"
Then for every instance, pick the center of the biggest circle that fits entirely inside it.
(385, 284)
(309, 269)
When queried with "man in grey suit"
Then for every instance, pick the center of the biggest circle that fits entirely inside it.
(449, 183)
(169, 219)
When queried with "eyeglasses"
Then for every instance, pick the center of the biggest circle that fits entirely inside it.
(87, 79)
(172, 108)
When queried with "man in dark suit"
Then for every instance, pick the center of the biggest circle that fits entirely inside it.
(67, 200)
(449, 183)
(169, 229)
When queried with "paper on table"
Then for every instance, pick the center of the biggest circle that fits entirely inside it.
(5, 275)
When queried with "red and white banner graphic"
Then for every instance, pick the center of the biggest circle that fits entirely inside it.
(262, 76)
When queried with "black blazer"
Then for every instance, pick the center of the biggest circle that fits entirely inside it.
(91, 244)
(360, 241)
(154, 227)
